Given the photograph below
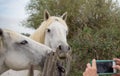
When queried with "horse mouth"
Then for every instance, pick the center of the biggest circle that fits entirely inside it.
(62, 55)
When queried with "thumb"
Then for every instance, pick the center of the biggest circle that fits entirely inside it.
(116, 67)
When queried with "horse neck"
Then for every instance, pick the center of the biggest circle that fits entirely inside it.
(39, 34)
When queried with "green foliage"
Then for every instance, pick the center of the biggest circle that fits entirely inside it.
(94, 27)
(102, 44)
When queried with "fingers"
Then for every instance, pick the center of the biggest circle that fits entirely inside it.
(91, 69)
(116, 67)
(94, 63)
(118, 74)
(117, 60)
(88, 65)
(83, 73)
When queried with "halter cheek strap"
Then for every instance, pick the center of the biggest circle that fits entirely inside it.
(60, 69)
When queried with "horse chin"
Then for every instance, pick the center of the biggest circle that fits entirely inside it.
(62, 56)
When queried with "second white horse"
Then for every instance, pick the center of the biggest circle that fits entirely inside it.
(18, 52)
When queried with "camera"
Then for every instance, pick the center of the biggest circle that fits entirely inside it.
(105, 66)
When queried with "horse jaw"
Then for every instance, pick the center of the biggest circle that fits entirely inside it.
(17, 60)
(57, 36)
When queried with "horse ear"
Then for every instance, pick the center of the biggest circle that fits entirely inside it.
(64, 16)
(46, 15)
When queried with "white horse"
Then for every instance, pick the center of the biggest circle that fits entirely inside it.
(53, 32)
(18, 52)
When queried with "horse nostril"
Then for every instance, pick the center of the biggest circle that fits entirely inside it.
(1, 32)
(60, 47)
(68, 47)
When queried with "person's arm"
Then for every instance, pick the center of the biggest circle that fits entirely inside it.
(91, 70)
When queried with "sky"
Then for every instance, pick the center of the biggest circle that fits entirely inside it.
(12, 13)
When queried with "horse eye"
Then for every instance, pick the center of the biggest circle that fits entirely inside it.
(48, 30)
(24, 42)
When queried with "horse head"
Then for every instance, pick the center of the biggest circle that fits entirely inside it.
(56, 32)
(20, 51)
(53, 32)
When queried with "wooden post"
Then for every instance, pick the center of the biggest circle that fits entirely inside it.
(50, 65)
(31, 71)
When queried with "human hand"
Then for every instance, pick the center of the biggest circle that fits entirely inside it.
(91, 70)
(118, 74)
(117, 66)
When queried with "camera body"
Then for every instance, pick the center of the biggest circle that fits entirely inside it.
(105, 67)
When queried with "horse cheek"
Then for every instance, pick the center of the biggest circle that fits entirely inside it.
(17, 62)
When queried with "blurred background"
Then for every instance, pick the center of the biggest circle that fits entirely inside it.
(94, 25)
(12, 13)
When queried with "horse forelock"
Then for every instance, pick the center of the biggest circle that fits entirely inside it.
(39, 34)
(59, 19)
